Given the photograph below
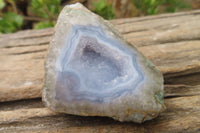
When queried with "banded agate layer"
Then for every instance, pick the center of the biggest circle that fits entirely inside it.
(92, 71)
(95, 67)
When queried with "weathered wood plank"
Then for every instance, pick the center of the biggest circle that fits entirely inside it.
(170, 41)
(181, 90)
(182, 115)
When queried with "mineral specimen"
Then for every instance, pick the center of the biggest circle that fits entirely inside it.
(92, 71)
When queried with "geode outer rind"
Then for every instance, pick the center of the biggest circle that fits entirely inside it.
(92, 71)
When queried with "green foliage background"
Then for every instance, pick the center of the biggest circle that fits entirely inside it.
(48, 10)
(105, 10)
(10, 22)
(151, 7)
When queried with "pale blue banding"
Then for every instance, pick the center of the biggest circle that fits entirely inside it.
(103, 95)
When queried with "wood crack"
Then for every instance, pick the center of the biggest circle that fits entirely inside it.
(26, 45)
(28, 52)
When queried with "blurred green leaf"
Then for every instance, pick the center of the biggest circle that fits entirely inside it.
(11, 22)
(43, 25)
(150, 7)
(2, 4)
(175, 5)
(105, 10)
(46, 8)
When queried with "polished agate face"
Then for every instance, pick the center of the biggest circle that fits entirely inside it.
(95, 67)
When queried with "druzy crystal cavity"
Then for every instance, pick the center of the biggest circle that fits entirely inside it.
(89, 68)
(92, 71)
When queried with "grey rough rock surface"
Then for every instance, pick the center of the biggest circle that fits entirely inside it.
(92, 71)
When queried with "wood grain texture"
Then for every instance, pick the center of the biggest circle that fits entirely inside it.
(182, 115)
(170, 41)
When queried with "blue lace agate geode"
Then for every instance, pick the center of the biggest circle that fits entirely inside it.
(92, 71)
